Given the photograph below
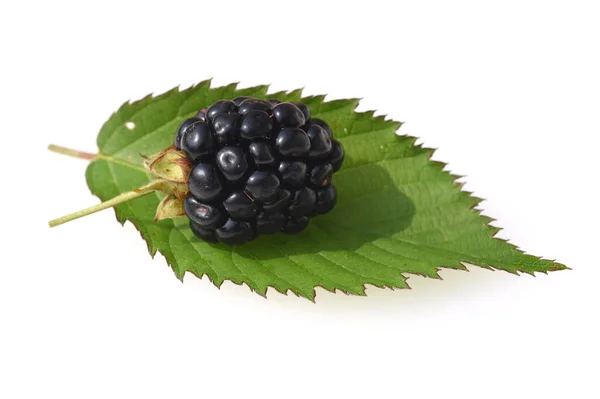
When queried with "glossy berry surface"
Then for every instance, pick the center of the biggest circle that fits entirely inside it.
(292, 142)
(219, 108)
(235, 232)
(320, 142)
(197, 140)
(280, 204)
(240, 206)
(336, 158)
(184, 126)
(261, 153)
(204, 215)
(258, 168)
(304, 109)
(326, 200)
(263, 186)
(232, 162)
(254, 105)
(293, 173)
(320, 175)
(321, 123)
(239, 100)
(205, 182)
(303, 203)
(288, 115)
(256, 124)
(226, 128)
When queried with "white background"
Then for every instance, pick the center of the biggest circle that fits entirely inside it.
(508, 91)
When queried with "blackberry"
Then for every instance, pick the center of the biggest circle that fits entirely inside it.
(288, 115)
(326, 199)
(320, 142)
(280, 204)
(232, 162)
(304, 109)
(263, 186)
(256, 124)
(292, 174)
(234, 232)
(304, 201)
(182, 129)
(258, 167)
(337, 155)
(254, 105)
(239, 100)
(269, 223)
(261, 153)
(204, 215)
(240, 206)
(205, 182)
(201, 115)
(197, 140)
(292, 142)
(320, 175)
(226, 128)
(295, 225)
(207, 235)
(321, 123)
(219, 108)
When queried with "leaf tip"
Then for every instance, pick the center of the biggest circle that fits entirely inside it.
(556, 266)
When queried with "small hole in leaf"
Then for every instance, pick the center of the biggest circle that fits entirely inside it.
(130, 125)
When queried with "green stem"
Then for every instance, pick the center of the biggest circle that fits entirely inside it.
(72, 153)
(156, 185)
(92, 157)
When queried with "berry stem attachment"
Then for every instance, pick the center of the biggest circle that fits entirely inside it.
(72, 153)
(156, 185)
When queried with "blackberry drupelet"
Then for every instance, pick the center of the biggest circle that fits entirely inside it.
(258, 167)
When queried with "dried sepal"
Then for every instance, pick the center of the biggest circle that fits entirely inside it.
(169, 164)
(169, 207)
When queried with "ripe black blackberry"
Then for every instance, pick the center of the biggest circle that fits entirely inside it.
(259, 167)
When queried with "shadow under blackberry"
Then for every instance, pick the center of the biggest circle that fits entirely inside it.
(367, 209)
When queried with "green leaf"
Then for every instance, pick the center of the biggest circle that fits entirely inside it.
(398, 212)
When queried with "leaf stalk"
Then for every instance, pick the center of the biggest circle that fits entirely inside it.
(156, 185)
(72, 153)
